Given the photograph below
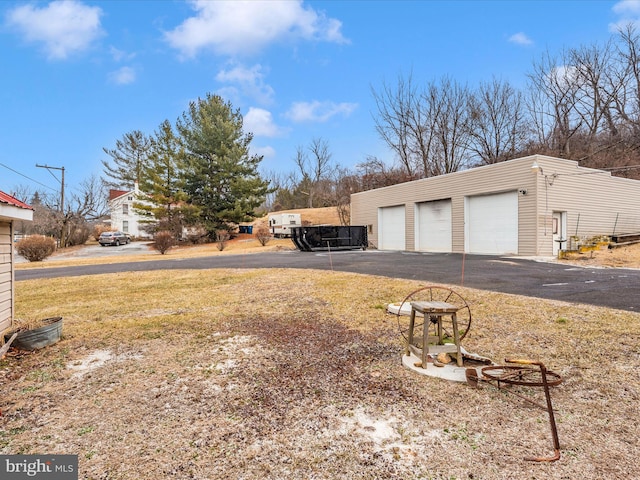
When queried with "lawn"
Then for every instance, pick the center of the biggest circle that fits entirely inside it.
(282, 374)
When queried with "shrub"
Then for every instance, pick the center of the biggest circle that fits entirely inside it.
(163, 241)
(100, 229)
(222, 238)
(196, 239)
(263, 234)
(78, 235)
(195, 235)
(36, 247)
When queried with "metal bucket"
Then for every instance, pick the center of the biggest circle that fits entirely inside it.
(48, 334)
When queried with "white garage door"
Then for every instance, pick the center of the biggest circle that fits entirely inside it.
(492, 223)
(433, 226)
(391, 231)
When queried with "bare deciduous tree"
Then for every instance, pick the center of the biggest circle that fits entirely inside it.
(71, 225)
(345, 183)
(429, 129)
(88, 203)
(315, 170)
(452, 125)
(499, 128)
(554, 90)
(627, 102)
(398, 122)
(277, 182)
(593, 100)
(374, 173)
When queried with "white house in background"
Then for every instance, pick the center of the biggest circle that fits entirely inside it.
(123, 216)
(11, 210)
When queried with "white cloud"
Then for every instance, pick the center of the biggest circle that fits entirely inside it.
(244, 27)
(250, 82)
(63, 27)
(626, 7)
(241, 74)
(629, 11)
(520, 38)
(318, 111)
(231, 94)
(123, 76)
(266, 151)
(563, 76)
(260, 123)
(120, 55)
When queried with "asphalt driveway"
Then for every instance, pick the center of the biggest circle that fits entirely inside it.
(615, 288)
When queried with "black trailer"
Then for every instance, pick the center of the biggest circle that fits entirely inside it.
(330, 237)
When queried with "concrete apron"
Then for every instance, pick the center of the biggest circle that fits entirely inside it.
(450, 371)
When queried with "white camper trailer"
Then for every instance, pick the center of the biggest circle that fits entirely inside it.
(280, 224)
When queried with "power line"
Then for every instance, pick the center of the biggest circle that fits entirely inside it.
(61, 183)
(36, 181)
(28, 178)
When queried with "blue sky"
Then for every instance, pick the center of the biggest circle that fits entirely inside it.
(78, 74)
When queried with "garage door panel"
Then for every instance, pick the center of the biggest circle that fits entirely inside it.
(493, 223)
(433, 229)
(391, 234)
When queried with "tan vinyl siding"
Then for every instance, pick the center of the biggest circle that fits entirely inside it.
(595, 202)
(503, 177)
(457, 227)
(4, 296)
(410, 234)
(6, 277)
(527, 239)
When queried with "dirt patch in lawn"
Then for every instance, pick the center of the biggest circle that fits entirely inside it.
(297, 374)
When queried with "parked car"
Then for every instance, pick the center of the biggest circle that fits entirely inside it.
(113, 238)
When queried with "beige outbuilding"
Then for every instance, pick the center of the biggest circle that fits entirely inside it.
(531, 206)
(11, 210)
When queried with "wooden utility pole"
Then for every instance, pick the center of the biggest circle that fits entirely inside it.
(63, 239)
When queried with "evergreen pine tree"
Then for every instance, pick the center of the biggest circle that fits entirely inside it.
(221, 177)
(162, 196)
(128, 161)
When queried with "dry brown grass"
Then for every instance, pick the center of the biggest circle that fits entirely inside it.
(622, 257)
(296, 374)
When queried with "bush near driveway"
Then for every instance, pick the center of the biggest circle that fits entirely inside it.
(222, 239)
(99, 230)
(163, 241)
(263, 235)
(36, 248)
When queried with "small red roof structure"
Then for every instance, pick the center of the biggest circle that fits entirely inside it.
(117, 193)
(12, 201)
(13, 209)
